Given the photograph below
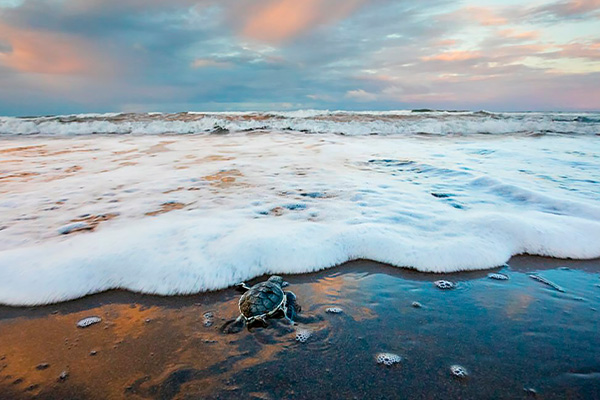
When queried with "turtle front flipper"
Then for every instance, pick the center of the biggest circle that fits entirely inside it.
(242, 287)
(234, 326)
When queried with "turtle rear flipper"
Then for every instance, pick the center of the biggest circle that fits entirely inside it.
(257, 323)
(290, 312)
(234, 326)
(308, 319)
(292, 308)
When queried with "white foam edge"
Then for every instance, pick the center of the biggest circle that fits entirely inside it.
(185, 253)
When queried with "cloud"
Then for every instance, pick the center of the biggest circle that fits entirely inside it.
(519, 35)
(231, 54)
(323, 97)
(590, 51)
(280, 20)
(481, 15)
(48, 53)
(360, 95)
(208, 63)
(458, 55)
(571, 8)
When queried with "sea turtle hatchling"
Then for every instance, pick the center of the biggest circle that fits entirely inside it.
(262, 301)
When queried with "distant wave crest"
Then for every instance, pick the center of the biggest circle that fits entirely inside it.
(402, 122)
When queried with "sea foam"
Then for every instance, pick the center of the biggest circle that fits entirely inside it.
(273, 202)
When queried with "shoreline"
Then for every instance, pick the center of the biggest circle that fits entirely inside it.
(521, 263)
(161, 347)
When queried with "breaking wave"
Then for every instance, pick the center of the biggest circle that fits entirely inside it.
(309, 121)
(189, 213)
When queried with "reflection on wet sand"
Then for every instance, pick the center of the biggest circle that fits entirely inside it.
(155, 347)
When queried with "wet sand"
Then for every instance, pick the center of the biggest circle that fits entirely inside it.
(509, 335)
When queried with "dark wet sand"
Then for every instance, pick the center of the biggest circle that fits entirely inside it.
(509, 335)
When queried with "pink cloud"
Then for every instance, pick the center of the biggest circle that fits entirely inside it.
(280, 20)
(457, 55)
(445, 43)
(521, 35)
(572, 7)
(590, 51)
(47, 52)
(485, 16)
(518, 52)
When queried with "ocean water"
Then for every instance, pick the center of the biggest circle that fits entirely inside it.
(184, 203)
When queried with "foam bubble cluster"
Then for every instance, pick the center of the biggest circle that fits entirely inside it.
(498, 277)
(387, 358)
(303, 334)
(547, 282)
(444, 285)
(334, 310)
(84, 323)
(459, 371)
(208, 318)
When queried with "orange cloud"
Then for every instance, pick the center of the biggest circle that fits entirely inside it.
(457, 55)
(47, 52)
(484, 16)
(523, 35)
(445, 43)
(280, 20)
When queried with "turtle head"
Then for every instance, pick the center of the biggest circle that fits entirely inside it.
(276, 279)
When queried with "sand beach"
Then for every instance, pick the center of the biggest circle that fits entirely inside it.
(517, 338)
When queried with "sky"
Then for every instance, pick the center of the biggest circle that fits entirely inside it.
(75, 56)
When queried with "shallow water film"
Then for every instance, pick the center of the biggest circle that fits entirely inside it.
(513, 338)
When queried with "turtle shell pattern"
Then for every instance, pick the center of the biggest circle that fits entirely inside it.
(262, 299)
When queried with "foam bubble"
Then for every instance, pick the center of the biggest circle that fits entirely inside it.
(459, 371)
(303, 334)
(498, 277)
(387, 358)
(530, 391)
(444, 285)
(76, 226)
(84, 323)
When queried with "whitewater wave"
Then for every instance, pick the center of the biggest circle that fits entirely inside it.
(189, 254)
(310, 121)
(187, 213)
